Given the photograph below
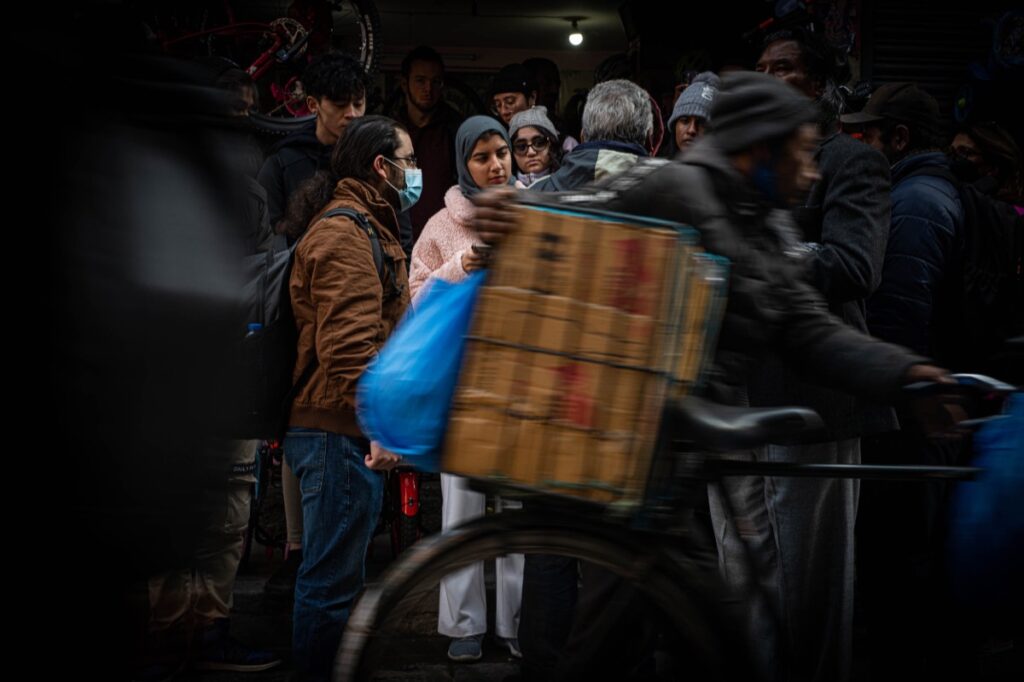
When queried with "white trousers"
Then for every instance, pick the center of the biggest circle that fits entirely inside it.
(462, 611)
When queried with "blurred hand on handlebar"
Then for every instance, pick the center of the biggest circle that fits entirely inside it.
(473, 260)
(936, 413)
(929, 373)
(495, 216)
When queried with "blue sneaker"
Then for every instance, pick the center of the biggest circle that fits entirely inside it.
(466, 648)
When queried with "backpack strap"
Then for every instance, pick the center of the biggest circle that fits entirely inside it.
(362, 221)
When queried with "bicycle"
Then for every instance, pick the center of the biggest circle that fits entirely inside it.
(273, 52)
(656, 551)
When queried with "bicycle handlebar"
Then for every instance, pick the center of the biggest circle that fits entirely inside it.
(977, 385)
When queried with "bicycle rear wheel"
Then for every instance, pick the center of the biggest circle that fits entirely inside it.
(682, 599)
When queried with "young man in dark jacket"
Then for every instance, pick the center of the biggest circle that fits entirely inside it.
(335, 86)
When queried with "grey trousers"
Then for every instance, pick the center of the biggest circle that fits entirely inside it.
(800, 534)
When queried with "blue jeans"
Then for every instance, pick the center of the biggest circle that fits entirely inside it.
(341, 503)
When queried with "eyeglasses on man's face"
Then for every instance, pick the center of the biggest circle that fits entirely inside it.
(409, 160)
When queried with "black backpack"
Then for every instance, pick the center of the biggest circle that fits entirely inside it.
(267, 353)
(987, 278)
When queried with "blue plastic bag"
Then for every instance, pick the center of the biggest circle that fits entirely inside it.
(405, 394)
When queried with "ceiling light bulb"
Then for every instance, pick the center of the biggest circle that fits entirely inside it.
(575, 38)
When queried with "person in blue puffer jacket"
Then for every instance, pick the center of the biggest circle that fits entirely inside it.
(901, 531)
(903, 122)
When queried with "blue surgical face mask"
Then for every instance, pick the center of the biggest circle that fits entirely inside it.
(413, 186)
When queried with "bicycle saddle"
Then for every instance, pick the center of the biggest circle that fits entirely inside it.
(711, 426)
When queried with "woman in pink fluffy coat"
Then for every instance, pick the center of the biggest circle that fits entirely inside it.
(445, 250)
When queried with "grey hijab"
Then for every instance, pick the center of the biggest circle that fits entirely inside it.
(469, 132)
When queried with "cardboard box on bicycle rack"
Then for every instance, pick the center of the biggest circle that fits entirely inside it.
(471, 447)
(615, 464)
(614, 336)
(705, 298)
(568, 459)
(572, 392)
(549, 419)
(550, 253)
(575, 337)
(633, 268)
(523, 317)
(557, 323)
(496, 444)
(529, 444)
(594, 466)
(480, 379)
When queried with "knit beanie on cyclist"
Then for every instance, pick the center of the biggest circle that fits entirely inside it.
(753, 107)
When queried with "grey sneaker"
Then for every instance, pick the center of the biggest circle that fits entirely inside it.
(466, 648)
(512, 643)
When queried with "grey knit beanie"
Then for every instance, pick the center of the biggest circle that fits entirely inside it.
(696, 99)
(754, 107)
(534, 116)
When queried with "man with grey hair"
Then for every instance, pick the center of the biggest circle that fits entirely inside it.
(617, 121)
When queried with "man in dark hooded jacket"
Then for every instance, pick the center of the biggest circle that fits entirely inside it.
(734, 187)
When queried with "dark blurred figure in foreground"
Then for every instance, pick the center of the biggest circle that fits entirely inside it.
(143, 240)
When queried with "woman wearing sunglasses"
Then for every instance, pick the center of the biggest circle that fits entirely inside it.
(534, 145)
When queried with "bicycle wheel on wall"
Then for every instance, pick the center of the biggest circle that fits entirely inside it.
(348, 26)
(356, 26)
(679, 601)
